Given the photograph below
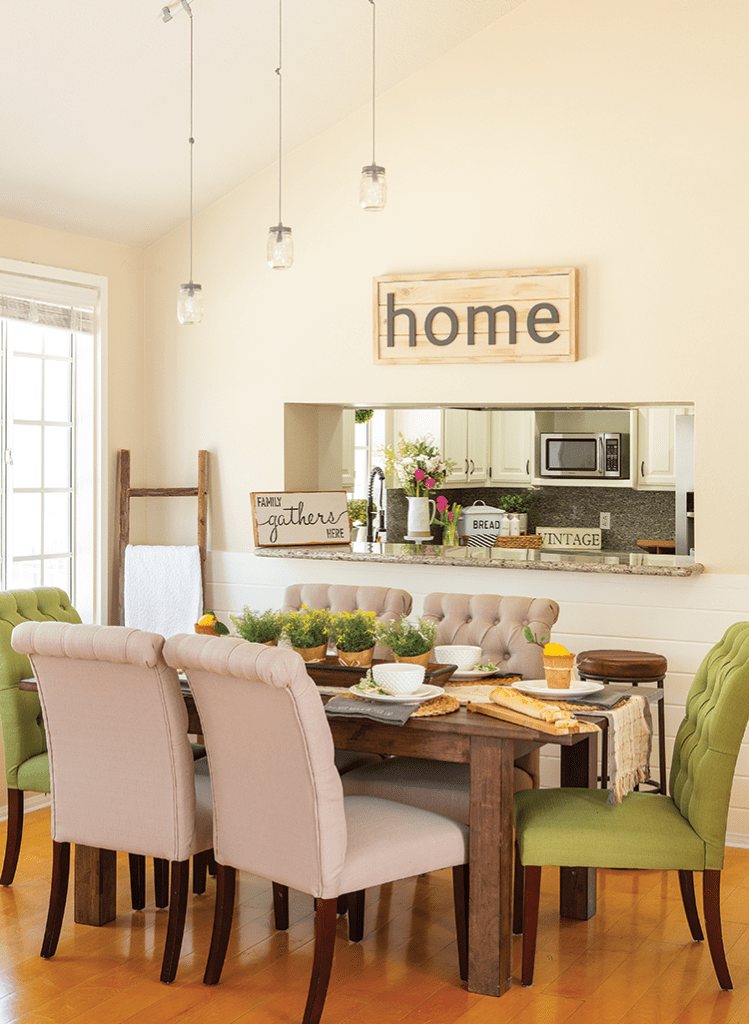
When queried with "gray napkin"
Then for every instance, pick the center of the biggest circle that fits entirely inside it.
(604, 699)
(391, 714)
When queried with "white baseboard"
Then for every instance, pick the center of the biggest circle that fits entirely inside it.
(30, 803)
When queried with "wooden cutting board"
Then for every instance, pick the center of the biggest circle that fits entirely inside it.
(495, 711)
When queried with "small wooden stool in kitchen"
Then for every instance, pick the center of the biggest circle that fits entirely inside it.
(633, 668)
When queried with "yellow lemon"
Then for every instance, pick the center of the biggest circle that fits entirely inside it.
(207, 620)
(555, 650)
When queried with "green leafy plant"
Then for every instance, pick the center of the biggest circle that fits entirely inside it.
(518, 503)
(309, 627)
(418, 465)
(258, 627)
(363, 415)
(407, 639)
(354, 631)
(531, 638)
(357, 510)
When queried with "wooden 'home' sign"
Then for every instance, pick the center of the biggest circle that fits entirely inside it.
(486, 316)
(287, 519)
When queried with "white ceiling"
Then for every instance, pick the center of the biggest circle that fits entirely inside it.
(96, 97)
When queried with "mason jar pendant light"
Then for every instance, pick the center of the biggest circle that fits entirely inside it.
(280, 242)
(190, 299)
(373, 187)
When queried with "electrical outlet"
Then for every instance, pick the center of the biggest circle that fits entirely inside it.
(605, 520)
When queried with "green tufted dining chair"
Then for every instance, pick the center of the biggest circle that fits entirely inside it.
(684, 832)
(24, 741)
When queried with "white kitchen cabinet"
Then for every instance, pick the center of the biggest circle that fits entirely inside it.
(348, 452)
(511, 446)
(656, 465)
(465, 440)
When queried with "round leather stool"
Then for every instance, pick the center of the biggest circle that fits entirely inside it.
(633, 668)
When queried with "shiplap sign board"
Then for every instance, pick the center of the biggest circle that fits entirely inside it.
(290, 518)
(486, 316)
(582, 538)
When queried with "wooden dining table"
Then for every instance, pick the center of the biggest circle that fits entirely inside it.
(490, 747)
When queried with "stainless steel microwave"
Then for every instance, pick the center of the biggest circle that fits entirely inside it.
(584, 455)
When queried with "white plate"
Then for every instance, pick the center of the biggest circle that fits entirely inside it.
(538, 688)
(424, 692)
(473, 673)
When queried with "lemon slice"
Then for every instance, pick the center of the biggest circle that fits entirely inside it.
(555, 650)
(208, 620)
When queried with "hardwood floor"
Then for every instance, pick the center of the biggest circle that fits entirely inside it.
(633, 963)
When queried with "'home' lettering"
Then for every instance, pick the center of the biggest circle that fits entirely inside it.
(543, 313)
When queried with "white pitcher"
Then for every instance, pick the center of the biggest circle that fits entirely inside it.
(420, 514)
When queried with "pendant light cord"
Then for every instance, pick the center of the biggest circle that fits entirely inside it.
(374, 62)
(192, 139)
(280, 103)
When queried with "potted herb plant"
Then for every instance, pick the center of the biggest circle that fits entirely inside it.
(409, 641)
(259, 627)
(519, 505)
(307, 631)
(353, 634)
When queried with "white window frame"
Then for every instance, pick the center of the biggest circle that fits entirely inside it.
(90, 588)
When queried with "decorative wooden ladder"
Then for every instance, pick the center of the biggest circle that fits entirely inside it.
(125, 492)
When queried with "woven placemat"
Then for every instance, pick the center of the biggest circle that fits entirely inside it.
(441, 705)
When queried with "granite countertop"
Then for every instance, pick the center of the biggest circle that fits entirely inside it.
(620, 562)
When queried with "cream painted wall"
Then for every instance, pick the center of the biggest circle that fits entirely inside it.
(605, 136)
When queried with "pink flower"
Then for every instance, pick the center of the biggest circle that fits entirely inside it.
(442, 503)
(419, 475)
(429, 482)
(450, 516)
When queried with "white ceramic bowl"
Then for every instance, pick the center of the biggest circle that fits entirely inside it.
(463, 656)
(399, 678)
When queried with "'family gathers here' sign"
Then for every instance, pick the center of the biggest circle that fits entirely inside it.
(285, 519)
(482, 316)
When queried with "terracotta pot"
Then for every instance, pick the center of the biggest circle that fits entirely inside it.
(356, 659)
(312, 653)
(270, 643)
(558, 670)
(417, 659)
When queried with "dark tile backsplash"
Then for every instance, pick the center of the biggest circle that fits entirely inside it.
(634, 514)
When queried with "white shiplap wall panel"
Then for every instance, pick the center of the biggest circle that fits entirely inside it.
(680, 618)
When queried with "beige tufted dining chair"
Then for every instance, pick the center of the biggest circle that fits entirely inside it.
(121, 767)
(495, 624)
(263, 721)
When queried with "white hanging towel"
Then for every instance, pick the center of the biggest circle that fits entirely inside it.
(163, 588)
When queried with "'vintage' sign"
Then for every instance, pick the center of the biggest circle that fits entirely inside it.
(286, 519)
(483, 316)
(585, 539)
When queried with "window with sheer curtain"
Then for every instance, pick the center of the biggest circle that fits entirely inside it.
(47, 437)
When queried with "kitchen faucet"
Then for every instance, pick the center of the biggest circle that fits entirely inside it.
(373, 534)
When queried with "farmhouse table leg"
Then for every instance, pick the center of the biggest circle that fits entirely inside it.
(577, 886)
(95, 885)
(491, 857)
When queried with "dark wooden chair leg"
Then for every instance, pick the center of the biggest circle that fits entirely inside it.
(57, 898)
(281, 906)
(137, 880)
(226, 880)
(461, 885)
(686, 884)
(325, 929)
(532, 887)
(711, 907)
(662, 744)
(342, 905)
(517, 899)
(15, 833)
(212, 869)
(200, 872)
(161, 881)
(177, 913)
(356, 902)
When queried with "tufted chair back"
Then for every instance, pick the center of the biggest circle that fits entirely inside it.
(20, 711)
(387, 603)
(708, 740)
(495, 624)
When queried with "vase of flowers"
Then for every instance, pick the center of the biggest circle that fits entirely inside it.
(259, 627)
(307, 631)
(419, 468)
(449, 517)
(353, 634)
(409, 641)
